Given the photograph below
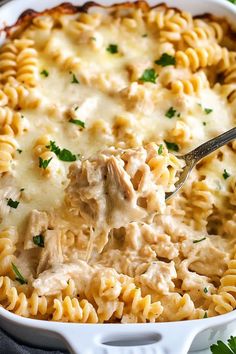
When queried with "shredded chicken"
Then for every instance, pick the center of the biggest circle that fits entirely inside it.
(37, 225)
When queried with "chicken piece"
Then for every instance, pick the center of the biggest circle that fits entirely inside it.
(51, 254)
(37, 225)
(54, 280)
(118, 186)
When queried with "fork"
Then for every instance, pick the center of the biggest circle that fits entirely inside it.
(194, 156)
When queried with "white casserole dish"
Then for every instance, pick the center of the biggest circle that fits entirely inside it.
(171, 338)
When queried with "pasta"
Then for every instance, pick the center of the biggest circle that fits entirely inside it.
(96, 109)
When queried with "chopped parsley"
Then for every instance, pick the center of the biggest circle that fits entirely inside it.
(22, 189)
(204, 123)
(112, 48)
(22, 117)
(170, 113)
(12, 203)
(200, 240)
(77, 122)
(232, 1)
(205, 290)
(172, 146)
(38, 240)
(77, 107)
(19, 276)
(149, 75)
(208, 110)
(93, 38)
(62, 154)
(144, 35)
(44, 163)
(19, 151)
(165, 60)
(222, 348)
(205, 315)
(44, 73)
(160, 149)
(74, 79)
(225, 174)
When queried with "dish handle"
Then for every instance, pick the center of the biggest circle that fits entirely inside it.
(164, 338)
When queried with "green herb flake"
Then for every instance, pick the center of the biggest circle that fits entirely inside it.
(205, 290)
(172, 146)
(112, 48)
(39, 240)
(19, 276)
(149, 75)
(22, 117)
(74, 79)
(19, 151)
(165, 60)
(160, 149)
(205, 315)
(232, 1)
(144, 35)
(170, 113)
(200, 240)
(222, 348)
(76, 108)
(225, 174)
(63, 155)
(77, 122)
(208, 110)
(44, 73)
(12, 203)
(44, 163)
(22, 189)
(93, 38)
(204, 123)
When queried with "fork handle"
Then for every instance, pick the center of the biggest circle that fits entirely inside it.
(210, 146)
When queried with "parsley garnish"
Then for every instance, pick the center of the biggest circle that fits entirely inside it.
(74, 79)
(232, 1)
(19, 276)
(208, 110)
(205, 290)
(93, 38)
(170, 113)
(149, 75)
(205, 315)
(222, 348)
(22, 189)
(172, 146)
(44, 163)
(112, 48)
(144, 35)
(204, 123)
(160, 150)
(12, 203)
(76, 108)
(77, 122)
(38, 240)
(165, 60)
(201, 239)
(19, 150)
(225, 174)
(22, 117)
(63, 155)
(44, 73)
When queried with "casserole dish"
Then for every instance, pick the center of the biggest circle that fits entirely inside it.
(173, 337)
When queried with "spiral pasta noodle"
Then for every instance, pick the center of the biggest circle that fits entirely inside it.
(8, 147)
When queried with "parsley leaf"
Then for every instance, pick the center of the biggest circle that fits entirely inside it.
(19, 276)
(77, 122)
(205, 315)
(172, 146)
(201, 239)
(63, 155)
(204, 123)
(12, 203)
(44, 163)
(208, 110)
(112, 48)
(144, 35)
(44, 73)
(160, 150)
(165, 60)
(225, 174)
(170, 113)
(19, 151)
(205, 290)
(149, 75)
(232, 1)
(74, 79)
(38, 240)
(66, 155)
(222, 348)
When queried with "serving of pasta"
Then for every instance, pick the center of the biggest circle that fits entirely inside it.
(96, 103)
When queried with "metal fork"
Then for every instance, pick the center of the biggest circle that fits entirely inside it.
(194, 156)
